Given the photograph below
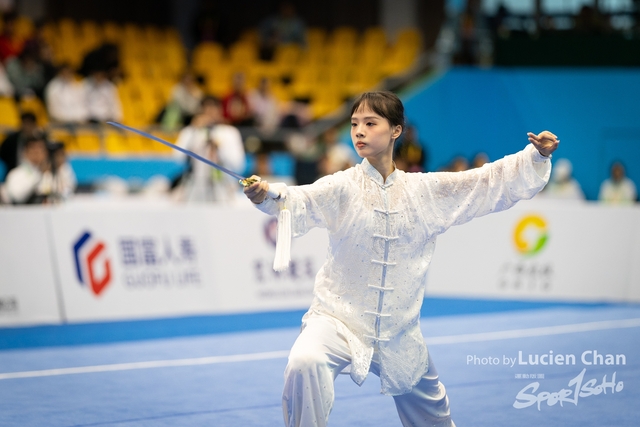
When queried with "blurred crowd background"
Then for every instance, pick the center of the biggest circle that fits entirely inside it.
(261, 87)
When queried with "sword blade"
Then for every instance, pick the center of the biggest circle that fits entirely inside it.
(182, 150)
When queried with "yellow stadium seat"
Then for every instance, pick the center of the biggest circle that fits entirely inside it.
(64, 136)
(136, 144)
(344, 36)
(282, 92)
(316, 37)
(218, 81)
(115, 143)
(35, 106)
(68, 29)
(118, 143)
(132, 33)
(250, 36)
(326, 100)
(49, 31)
(374, 37)
(136, 108)
(362, 79)
(286, 57)
(409, 37)
(154, 34)
(9, 115)
(87, 142)
(112, 32)
(157, 148)
(23, 27)
(243, 54)
(207, 55)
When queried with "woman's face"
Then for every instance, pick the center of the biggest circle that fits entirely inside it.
(372, 135)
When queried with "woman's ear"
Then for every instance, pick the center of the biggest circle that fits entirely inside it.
(397, 131)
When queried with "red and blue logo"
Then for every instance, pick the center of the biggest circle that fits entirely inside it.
(93, 266)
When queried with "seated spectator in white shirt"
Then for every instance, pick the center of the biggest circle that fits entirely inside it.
(6, 88)
(618, 189)
(186, 96)
(65, 97)
(264, 107)
(24, 183)
(562, 185)
(101, 98)
(221, 143)
(61, 180)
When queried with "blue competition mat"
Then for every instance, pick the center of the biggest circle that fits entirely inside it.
(574, 366)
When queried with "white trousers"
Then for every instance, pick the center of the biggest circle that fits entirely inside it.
(319, 354)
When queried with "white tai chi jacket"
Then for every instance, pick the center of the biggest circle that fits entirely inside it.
(382, 236)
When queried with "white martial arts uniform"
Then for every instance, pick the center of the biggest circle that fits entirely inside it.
(367, 295)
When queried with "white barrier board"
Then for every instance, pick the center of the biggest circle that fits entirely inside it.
(244, 253)
(140, 261)
(539, 250)
(120, 263)
(27, 279)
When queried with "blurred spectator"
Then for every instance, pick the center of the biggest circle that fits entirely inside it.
(410, 154)
(296, 114)
(479, 160)
(337, 156)
(186, 97)
(101, 98)
(284, 27)
(264, 170)
(26, 74)
(24, 183)
(60, 181)
(618, 189)
(6, 88)
(104, 58)
(10, 45)
(468, 51)
(209, 137)
(497, 23)
(264, 107)
(562, 185)
(65, 97)
(307, 153)
(235, 105)
(13, 145)
(43, 51)
(590, 21)
(209, 24)
(458, 164)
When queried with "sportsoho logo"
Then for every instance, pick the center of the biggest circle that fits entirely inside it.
(93, 267)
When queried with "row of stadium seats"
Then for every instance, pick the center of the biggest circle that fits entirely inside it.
(333, 66)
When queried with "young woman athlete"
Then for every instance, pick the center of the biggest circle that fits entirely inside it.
(382, 225)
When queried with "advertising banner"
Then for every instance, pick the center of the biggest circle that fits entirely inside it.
(243, 263)
(539, 250)
(117, 263)
(150, 262)
(108, 262)
(633, 288)
(27, 277)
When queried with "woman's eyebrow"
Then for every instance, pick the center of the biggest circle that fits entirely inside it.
(366, 118)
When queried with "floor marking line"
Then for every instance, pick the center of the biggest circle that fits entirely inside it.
(535, 332)
(146, 365)
(447, 339)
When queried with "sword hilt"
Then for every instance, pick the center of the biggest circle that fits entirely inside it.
(274, 194)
